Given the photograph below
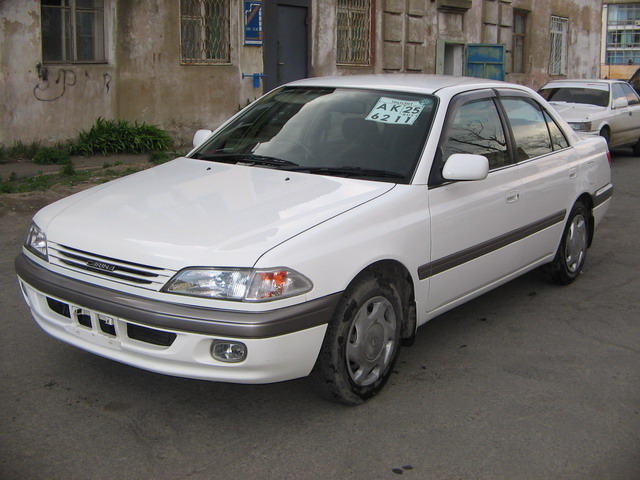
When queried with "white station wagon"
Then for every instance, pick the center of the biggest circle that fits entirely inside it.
(314, 231)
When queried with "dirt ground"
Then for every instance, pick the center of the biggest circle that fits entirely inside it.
(28, 203)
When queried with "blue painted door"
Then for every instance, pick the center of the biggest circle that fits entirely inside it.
(485, 60)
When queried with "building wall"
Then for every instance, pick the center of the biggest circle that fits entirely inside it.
(46, 103)
(624, 71)
(143, 79)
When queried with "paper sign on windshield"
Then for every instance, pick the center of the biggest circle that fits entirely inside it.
(397, 112)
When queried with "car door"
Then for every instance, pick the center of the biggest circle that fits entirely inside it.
(622, 120)
(634, 111)
(548, 170)
(474, 225)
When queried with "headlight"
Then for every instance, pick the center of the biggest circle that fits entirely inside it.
(36, 242)
(239, 284)
(581, 126)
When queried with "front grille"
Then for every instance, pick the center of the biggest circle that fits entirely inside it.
(121, 271)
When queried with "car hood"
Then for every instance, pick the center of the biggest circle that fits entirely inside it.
(196, 213)
(578, 112)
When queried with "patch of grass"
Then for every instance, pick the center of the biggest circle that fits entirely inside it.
(18, 151)
(68, 176)
(51, 156)
(158, 158)
(68, 169)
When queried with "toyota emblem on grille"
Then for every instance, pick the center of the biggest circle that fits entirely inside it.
(101, 266)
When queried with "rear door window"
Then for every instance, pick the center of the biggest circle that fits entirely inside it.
(529, 127)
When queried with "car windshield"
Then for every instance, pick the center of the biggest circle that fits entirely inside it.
(587, 96)
(375, 135)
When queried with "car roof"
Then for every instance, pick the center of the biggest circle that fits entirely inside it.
(582, 83)
(417, 83)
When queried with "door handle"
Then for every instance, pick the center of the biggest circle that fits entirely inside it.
(512, 196)
(573, 173)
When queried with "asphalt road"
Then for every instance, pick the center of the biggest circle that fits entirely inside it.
(531, 381)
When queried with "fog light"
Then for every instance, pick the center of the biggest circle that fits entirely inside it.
(230, 352)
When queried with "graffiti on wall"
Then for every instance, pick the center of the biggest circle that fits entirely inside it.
(50, 89)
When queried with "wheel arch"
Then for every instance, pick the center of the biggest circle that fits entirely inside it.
(395, 273)
(587, 200)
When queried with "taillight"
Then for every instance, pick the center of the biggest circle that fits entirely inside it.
(609, 157)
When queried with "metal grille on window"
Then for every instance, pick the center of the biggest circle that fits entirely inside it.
(204, 31)
(354, 32)
(559, 29)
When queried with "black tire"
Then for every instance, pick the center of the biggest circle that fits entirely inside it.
(636, 149)
(606, 134)
(572, 252)
(362, 342)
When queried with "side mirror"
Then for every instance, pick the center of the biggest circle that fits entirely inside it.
(466, 166)
(200, 136)
(620, 103)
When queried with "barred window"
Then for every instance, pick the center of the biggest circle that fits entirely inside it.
(72, 31)
(519, 40)
(559, 33)
(354, 32)
(204, 31)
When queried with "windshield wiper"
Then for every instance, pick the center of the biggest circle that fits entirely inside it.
(246, 159)
(348, 171)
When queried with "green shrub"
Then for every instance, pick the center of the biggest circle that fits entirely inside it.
(50, 156)
(120, 136)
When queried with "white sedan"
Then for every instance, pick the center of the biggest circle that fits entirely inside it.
(316, 230)
(609, 108)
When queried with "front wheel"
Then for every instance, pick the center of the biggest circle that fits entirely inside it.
(362, 342)
(572, 252)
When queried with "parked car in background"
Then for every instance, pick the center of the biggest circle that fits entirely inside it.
(317, 229)
(634, 81)
(609, 108)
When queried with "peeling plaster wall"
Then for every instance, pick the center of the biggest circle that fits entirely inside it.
(154, 87)
(46, 104)
(142, 80)
(583, 46)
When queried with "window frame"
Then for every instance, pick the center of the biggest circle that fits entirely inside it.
(205, 36)
(70, 43)
(436, 178)
(559, 49)
(342, 10)
(519, 43)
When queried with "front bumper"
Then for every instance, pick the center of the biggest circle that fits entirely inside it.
(175, 339)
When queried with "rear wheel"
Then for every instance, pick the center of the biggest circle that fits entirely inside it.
(636, 149)
(362, 342)
(572, 251)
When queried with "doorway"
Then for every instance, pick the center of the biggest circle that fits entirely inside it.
(286, 41)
